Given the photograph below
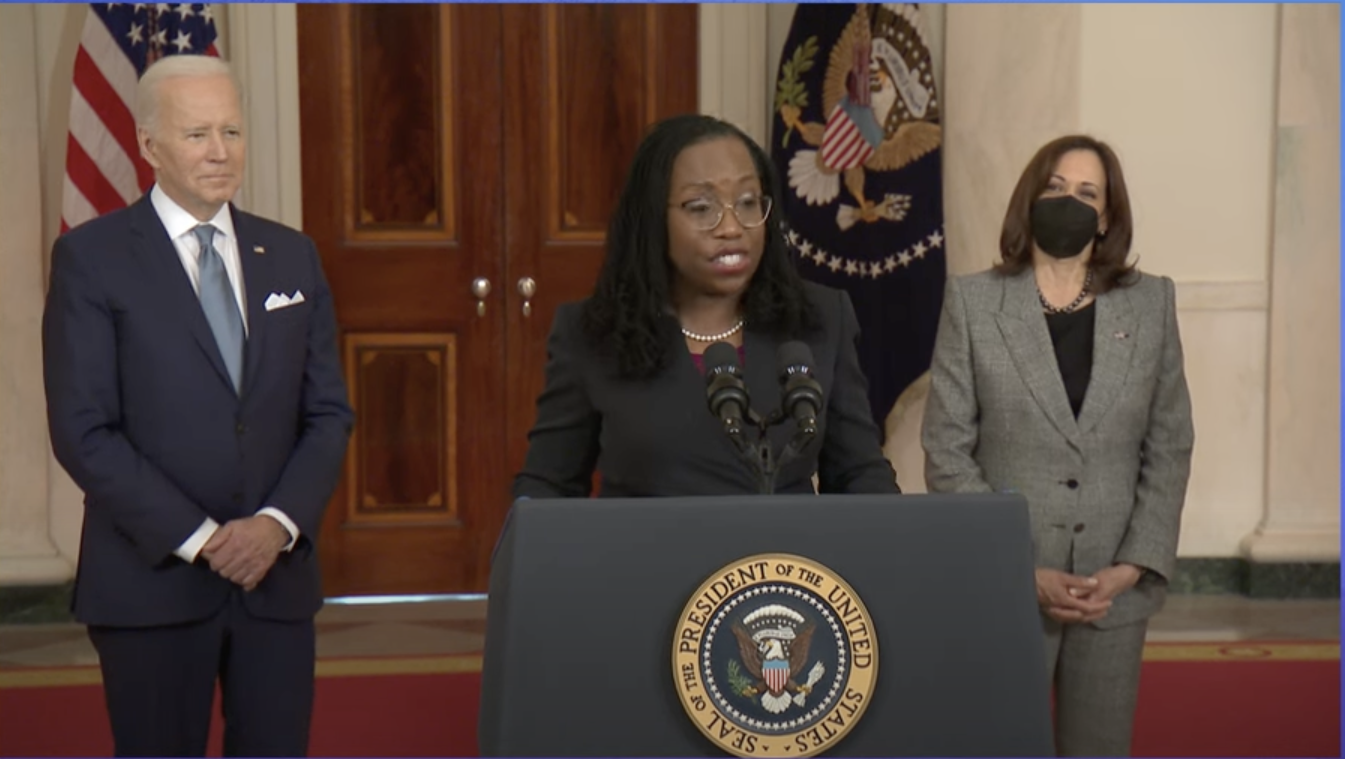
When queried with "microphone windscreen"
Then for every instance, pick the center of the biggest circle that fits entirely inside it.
(720, 356)
(793, 354)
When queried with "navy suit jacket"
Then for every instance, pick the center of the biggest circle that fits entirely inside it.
(144, 418)
(657, 437)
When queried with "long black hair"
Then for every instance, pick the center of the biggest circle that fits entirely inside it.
(627, 316)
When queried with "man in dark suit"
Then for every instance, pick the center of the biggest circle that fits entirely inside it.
(195, 394)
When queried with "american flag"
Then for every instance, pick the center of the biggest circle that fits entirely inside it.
(103, 167)
(843, 144)
(776, 673)
(864, 204)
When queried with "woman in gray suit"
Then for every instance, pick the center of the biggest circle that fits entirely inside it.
(1058, 375)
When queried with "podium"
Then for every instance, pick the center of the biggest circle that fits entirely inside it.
(586, 597)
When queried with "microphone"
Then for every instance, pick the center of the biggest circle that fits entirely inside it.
(725, 391)
(802, 395)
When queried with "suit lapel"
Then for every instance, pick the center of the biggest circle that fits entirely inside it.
(169, 281)
(1113, 344)
(1023, 326)
(257, 282)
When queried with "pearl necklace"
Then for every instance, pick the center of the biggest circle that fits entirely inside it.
(730, 332)
(1087, 285)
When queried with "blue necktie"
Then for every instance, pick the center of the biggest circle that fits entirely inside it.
(220, 306)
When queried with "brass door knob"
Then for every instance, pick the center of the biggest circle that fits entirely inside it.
(480, 289)
(527, 287)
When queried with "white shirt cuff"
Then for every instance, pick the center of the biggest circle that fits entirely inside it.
(286, 522)
(192, 546)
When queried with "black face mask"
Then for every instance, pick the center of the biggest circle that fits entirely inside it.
(1063, 225)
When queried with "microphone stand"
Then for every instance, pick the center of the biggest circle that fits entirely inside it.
(760, 455)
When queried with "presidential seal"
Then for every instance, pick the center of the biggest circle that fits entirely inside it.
(775, 656)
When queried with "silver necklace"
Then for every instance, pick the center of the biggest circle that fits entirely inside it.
(1087, 285)
(730, 332)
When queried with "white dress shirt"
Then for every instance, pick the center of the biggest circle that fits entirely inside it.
(179, 224)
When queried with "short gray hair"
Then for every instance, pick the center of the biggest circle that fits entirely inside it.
(171, 67)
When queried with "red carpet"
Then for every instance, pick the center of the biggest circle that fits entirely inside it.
(1195, 700)
(1253, 700)
(363, 715)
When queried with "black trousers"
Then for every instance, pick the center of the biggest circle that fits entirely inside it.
(160, 684)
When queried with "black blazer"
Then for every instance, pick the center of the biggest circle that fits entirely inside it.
(657, 437)
(144, 418)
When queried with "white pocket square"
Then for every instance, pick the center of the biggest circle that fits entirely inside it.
(281, 300)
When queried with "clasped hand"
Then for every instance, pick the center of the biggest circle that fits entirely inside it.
(1071, 598)
(242, 551)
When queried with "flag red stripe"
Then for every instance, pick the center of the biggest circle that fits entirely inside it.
(112, 111)
(851, 143)
(851, 148)
(841, 136)
(84, 173)
(111, 51)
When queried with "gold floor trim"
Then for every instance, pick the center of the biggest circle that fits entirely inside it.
(423, 665)
(1242, 651)
(52, 677)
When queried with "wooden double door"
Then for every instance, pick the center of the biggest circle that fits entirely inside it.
(459, 166)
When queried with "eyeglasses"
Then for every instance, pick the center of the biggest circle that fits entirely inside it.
(706, 213)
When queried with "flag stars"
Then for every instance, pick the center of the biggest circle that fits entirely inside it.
(184, 11)
(182, 41)
(136, 35)
(816, 255)
(207, 14)
(160, 39)
(163, 8)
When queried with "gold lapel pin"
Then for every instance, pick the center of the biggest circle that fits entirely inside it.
(258, 249)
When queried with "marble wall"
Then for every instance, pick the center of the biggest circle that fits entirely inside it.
(1226, 118)
(27, 553)
(1226, 204)
(1302, 516)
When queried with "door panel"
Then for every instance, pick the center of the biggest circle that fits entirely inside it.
(602, 74)
(400, 122)
(445, 144)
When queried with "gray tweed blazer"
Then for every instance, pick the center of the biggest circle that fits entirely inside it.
(1104, 488)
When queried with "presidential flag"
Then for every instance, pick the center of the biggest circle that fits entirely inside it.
(103, 167)
(856, 136)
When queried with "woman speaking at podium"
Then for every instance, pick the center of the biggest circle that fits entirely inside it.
(693, 258)
(1058, 375)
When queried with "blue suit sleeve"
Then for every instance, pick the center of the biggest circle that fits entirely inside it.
(80, 370)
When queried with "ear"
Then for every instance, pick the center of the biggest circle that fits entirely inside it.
(147, 146)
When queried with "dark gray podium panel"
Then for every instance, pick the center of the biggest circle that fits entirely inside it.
(585, 595)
